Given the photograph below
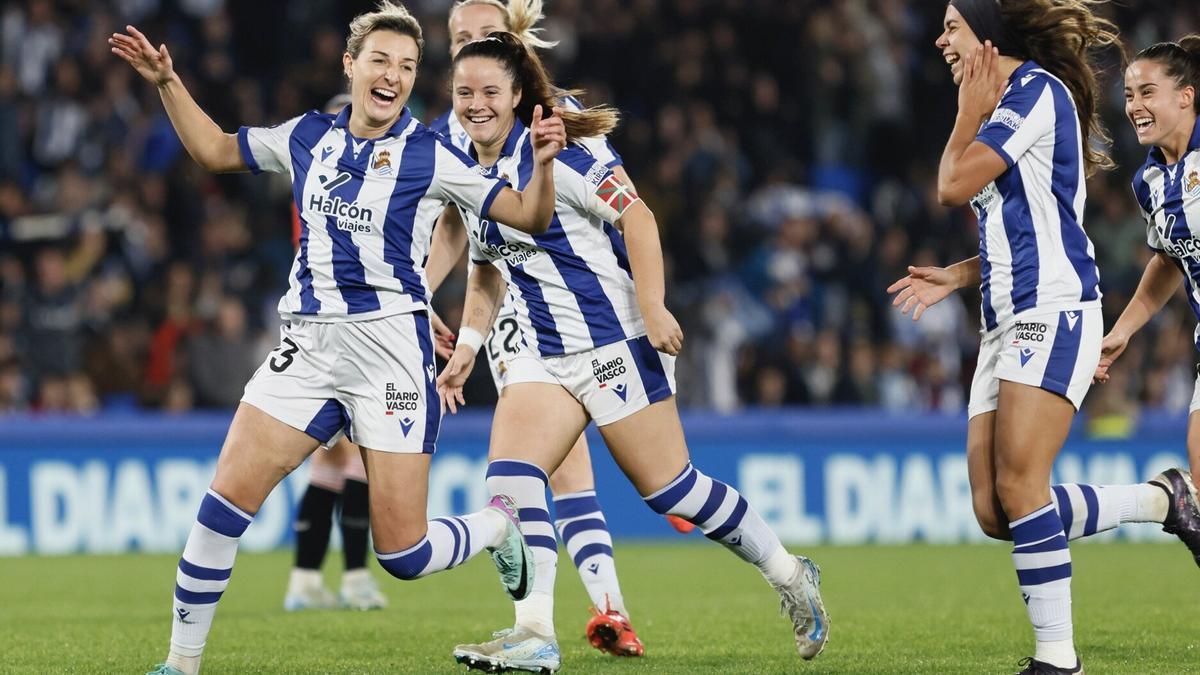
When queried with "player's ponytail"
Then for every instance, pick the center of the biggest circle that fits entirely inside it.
(520, 18)
(1060, 36)
(529, 76)
(1180, 60)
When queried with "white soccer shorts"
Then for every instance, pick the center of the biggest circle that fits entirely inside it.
(1056, 351)
(375, 379)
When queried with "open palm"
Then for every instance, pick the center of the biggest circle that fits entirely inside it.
(153, 64)
(923, 288)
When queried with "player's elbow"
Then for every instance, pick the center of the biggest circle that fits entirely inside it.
(951, 194)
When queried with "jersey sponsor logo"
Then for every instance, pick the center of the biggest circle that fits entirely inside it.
(1009, 118)
(381, 163)
(1030, 331)
(351, 216)
(406, 425)
(1191, 183)
(512, 252)
(616, 194)
(983, 201)
(596, 174)
(605, 372)
(396, 400)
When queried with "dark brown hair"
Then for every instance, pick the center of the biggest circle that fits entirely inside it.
(1181, 60)
(530, 78)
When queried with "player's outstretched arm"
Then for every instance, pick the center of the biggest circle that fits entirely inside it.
(212, 148)
(449, 242)
(531, 210)
(646, 263)
(485, 292)
(1158, 284)
(927, 286)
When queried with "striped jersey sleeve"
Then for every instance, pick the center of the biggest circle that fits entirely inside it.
(460, 180)
(1141, 194)
(1024, 115)
(268, 148)
(586, 183)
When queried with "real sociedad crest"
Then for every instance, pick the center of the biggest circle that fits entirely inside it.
(1191, 183)
(382, 163)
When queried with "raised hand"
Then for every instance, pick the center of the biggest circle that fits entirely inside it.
(982, 84)
(663, 330)
(452, 378)
(154, 65)
(922, 288)
(549, 136)
(1111, 347)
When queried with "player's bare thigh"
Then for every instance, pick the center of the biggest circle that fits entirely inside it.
(575, 472)
(656, 426)
(1193, 445)
(399, 490)
(259, 451)
(981, 471)
(1031, 426)
(536, 423)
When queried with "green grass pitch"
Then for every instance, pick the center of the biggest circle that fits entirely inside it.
(895, 609)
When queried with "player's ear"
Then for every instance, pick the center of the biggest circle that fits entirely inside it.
(516, 98)
(348, 66)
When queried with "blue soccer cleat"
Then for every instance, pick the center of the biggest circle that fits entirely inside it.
(512, 649)
(800, 600)
(164, 669)
(513, 558)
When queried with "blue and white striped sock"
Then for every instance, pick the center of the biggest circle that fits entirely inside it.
(1043, 564)
(1090, 509)
(448, 542)
(526, 483)
(583, 530)
(204, 570)
(725, 516)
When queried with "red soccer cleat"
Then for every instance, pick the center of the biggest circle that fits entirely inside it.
(681, 526)
(611, 632)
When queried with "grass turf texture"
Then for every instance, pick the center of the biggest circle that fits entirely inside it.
(895, 609)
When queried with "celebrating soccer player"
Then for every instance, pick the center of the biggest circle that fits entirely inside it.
(589, 304)
(356, 349)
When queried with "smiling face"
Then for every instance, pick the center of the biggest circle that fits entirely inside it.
(1155, 104)
(957, 41)
(474, 22)
(484, 99)
(381, 77)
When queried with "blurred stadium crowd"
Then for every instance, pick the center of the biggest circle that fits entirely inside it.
(789, 150)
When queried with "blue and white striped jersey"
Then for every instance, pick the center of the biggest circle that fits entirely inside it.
(1169, 197)
(1034, 254)
(367, 209)
(571, 287)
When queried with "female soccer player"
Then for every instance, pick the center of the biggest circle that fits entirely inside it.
(356, 349)
(1162, 100)
(601, 347)
(1019, 153)
(578, 520)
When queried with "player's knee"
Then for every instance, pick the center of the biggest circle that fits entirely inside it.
(992, 523)
(1016, 492)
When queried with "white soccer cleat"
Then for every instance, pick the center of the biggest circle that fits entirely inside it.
(360, 592)
(800, 600)
(513, 649)
(305, 591)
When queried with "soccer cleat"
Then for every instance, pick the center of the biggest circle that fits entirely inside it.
(513, 558)
(164, 669)
(1035, 667)
(611, 632)
(512, 649)
(681, 526)
(1183, 510)
(800, 599)
(305, 591)
(359, 591)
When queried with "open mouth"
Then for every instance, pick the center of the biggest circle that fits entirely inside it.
(1143, 124)
(480, 119)
(383, 96)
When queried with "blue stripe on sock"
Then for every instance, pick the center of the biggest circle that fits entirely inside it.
(715, 498)
(579, 526)
(533, 515)
(732, 523)
(1066, 513)
(1044, 575)
(1093, 509)
(1052, 544)
(203, 573)
(457, 539)
(541, 541)
(220, 518)
(1045, 525)
(667, 500)
(466, 551)
(508, 467)
(192, 598)
(410, 564)
(591, 550)
(573, 507)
